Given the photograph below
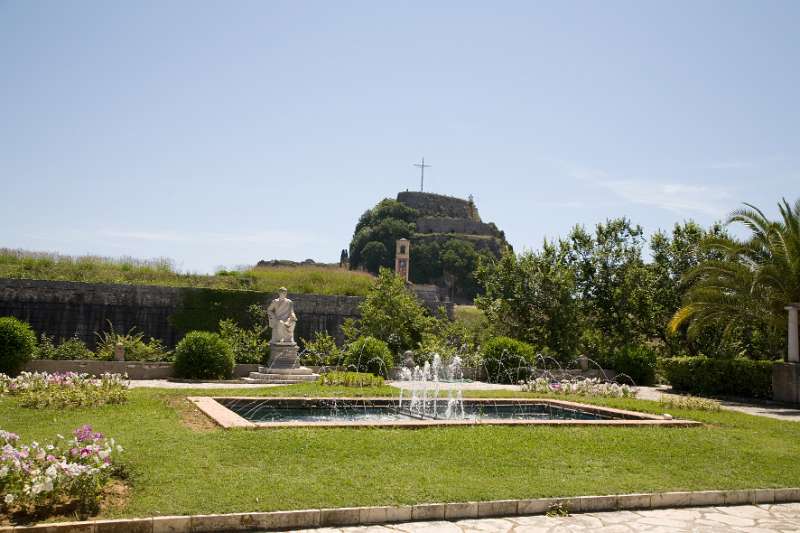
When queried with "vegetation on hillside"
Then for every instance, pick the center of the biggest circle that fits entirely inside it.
(92, 269)
(444, 259)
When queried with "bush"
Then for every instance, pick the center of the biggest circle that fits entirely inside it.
(203, 355)
(368, 354)
(321, 351)
(136, 348)
(636, 362)
(39, 476)
(508, 360)
(247, 344)
(735, 377)
(73, 349)
(17, 344)
(351, 379)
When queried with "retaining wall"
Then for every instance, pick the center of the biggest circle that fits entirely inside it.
(65, 309)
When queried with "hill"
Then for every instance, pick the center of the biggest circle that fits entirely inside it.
(447, 239)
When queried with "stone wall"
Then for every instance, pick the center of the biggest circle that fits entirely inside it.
(455, 225)
(65, 309)
(438, 205)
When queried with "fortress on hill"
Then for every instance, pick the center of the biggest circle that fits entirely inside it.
(442, 217)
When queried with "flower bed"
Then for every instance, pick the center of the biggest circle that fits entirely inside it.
(68, 389)
(64, 471)
(582, 387)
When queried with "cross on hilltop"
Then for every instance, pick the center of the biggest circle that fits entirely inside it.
(422, 167)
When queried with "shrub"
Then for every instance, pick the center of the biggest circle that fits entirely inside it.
(71, 349)
(351, 379)
(368, 354)
(136, 348)
(247, 344)
(322, 350)
(636, 362)
(735, 377)
(203, 355)
(507, 360)
(17, 344)
(38, 475)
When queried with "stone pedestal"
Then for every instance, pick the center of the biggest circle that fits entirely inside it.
(786, 382)
(284, 367)
(283, 355)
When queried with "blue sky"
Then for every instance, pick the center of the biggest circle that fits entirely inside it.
(221, 133)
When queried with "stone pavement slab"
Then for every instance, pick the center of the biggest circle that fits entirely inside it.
(776, 518)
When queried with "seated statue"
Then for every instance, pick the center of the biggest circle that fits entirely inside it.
(282, 318)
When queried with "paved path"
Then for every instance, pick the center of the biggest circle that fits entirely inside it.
(166, 384)
(443, 385)
(769, 410)
(782, 517)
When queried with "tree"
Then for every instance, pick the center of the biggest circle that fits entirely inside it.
(612, 280)
(459, 261)
(373, 256)
(745, 290)
(674, 255)
(386, 231)
(391, 313)
(426, 265)
(531, 297)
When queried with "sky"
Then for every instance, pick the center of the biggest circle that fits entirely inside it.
(221, 133)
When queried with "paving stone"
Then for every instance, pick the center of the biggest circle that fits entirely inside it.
(488, 525)
(497, 508)
(172, 524)
(722, 518)
(429, 511)
(381, 515)
(342, 516)
(460, 511)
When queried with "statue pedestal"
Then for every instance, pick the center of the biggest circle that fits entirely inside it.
(283, 355)
(284, 367)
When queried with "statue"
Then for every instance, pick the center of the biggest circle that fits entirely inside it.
(282, 318)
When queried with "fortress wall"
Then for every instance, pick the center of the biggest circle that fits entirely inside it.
(438, 205)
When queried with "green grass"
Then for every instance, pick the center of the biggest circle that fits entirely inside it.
(92, 269)
(178, 470)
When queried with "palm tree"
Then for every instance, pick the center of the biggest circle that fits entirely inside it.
(747, 284)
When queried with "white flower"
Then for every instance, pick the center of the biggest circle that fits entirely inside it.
(9, 499)
(4, 471)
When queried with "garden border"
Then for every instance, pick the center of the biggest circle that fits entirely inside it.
(354, 516)
(224, 417)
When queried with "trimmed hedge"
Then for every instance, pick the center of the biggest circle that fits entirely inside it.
(17, 344)
(638, 363)
(203, 355)
(368, 354)
(508, 360)
(734, 377)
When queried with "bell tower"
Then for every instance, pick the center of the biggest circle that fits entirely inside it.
(402, 257)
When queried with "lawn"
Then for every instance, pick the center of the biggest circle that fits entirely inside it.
(179, 464)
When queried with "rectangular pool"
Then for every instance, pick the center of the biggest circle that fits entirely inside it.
(385, 412)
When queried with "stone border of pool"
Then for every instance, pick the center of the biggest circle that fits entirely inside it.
(226, 418)
(354, 516)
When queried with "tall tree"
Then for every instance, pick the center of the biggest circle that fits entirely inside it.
(745, 290)
(531, 297)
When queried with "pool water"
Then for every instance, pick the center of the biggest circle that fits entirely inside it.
(366, 411)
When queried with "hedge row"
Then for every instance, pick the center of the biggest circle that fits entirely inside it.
(734, 377)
